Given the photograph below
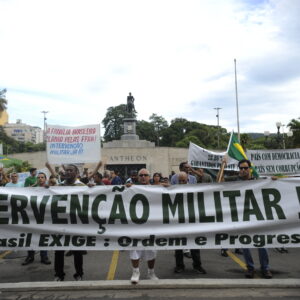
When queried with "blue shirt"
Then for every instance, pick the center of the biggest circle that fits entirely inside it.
(18, 184)
(191, 179)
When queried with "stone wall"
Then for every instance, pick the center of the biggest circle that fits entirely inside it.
(157, 159)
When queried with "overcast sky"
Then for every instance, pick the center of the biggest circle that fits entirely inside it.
(77, 58)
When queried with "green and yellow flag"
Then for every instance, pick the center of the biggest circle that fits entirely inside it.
(236, 151)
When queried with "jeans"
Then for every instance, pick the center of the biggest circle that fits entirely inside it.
(263, 259)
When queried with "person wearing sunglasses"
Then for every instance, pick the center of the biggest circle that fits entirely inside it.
(244, 166)
(137, 255)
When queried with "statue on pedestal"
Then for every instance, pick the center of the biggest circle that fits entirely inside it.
(130, 105)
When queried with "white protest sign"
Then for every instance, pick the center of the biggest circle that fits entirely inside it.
(79, 144)
(270, 162)
(202, 158)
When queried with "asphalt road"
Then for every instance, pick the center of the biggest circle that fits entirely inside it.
(105, 266)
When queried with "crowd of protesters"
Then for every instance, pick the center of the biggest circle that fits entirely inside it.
(69, 175)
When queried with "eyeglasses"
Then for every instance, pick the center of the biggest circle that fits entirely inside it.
(143, 175)
(244, 168)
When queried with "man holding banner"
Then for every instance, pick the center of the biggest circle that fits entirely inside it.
(195, 253)
(71, 175)
(137, 255)
(245, 174)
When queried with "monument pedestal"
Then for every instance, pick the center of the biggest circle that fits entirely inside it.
(129, 129)
(129, 139)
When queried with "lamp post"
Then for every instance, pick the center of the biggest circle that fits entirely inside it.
(218, 115)
(278, 125)
(44, 135)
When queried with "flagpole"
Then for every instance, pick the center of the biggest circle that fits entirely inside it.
(229, 141)
(237, 103)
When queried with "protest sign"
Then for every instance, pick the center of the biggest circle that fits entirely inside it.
(202, 158)
(270, 162)
(248, 214)
(79, 144)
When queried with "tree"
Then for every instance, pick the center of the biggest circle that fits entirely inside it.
(174, 133)
(145, 131)
(160, 124)
(295, 128)
(3, 101)
(185, 142)
(113, 122)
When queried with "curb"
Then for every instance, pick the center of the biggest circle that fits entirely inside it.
(151, 284)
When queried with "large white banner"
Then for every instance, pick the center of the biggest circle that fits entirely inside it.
(199, 157)
(255, 213)
(270, 162)
(73, 144)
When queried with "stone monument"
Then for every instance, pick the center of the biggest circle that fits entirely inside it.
(129, 138)
(129, 122)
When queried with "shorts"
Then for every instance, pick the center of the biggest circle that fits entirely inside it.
(142, 254)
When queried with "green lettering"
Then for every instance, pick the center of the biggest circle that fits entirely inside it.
(132, 209)
(56, 209)
(39, 212)
(168, 204)
(95, 209)
(77, 210)
(267, 193)
(18, 205)
(218, 206)
(3, 197)
(232, 203)
(203, 218)
(118, 205)
(250, 201)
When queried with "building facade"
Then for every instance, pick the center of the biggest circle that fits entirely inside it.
(24, 133)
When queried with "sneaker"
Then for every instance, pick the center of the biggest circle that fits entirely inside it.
(57, 278)
(178, 269)
(250, 273)
(77, 277)
(28, 260)
(200, 270)
(45, 261)
(224, 253)
(151, 275)
(135, 276)
(267, 274)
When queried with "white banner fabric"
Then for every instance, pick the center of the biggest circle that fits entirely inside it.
(255, 213)
(199, 157)
(79, 144)
(270, 162)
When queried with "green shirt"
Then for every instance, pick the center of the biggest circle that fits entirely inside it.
(29, 181)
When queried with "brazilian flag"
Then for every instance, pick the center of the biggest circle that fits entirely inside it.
(236, 151)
